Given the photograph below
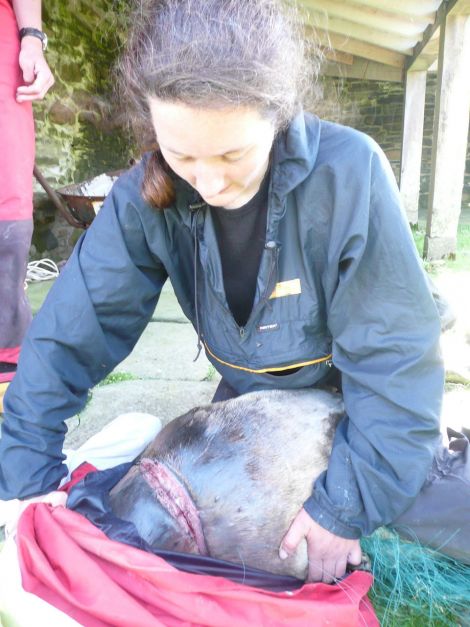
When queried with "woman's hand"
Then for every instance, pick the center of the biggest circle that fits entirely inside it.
(10, 511)
(36, 73)
(328, 554)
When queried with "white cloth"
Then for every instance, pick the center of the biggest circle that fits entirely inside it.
(118, 442)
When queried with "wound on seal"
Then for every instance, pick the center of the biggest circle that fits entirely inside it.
(174, 497)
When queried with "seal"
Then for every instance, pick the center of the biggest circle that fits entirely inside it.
(227, 479)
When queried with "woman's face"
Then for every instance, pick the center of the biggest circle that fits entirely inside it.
(222, 153)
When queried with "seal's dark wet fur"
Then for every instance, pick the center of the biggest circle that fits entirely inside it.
(248, 463)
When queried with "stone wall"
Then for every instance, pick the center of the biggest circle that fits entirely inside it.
(78, 129)
(373, 107)
(376, 108)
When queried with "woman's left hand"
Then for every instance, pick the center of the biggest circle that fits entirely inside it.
(328, 554)
(37, 75)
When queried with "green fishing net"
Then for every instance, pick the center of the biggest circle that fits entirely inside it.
(415, 586)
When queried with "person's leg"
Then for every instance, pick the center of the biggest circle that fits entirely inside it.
(16, 196)
(440, 516)
(15, 314)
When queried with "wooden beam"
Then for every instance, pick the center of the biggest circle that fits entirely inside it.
(338, 57)
(428, 56)
(364, 70)
(449, 139)
(429, 32)
(379, 38)
(424, 62)
(462, 7)
(371, 17)
(358, 48)
(404, 7)
(412, 142)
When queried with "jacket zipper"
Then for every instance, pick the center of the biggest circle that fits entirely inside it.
(195, 209)
(273, 249)
(270, 245)
(326, 359)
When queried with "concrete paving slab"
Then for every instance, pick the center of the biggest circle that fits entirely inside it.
(165, 399)
(455, 345)
(168, 382)
(168, 309)
(456, 408)
(167, 350)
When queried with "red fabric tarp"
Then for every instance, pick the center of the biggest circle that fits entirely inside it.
(71, 564)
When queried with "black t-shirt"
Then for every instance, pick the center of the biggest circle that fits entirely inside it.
(241, 235)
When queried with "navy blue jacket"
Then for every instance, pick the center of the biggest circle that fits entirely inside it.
(340, 281)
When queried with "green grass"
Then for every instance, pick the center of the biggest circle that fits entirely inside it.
(211, 372)
(462, 258)
(117, 377)
(37, 293)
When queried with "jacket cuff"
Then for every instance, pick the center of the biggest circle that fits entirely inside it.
(324, 516)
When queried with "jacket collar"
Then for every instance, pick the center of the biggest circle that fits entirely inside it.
(294, 153)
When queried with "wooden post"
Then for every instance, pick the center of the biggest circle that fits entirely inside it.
(449, 138)
(412, 142)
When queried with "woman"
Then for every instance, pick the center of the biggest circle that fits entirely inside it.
(287, 248)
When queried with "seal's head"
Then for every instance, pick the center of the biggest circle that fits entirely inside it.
(227, 479)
